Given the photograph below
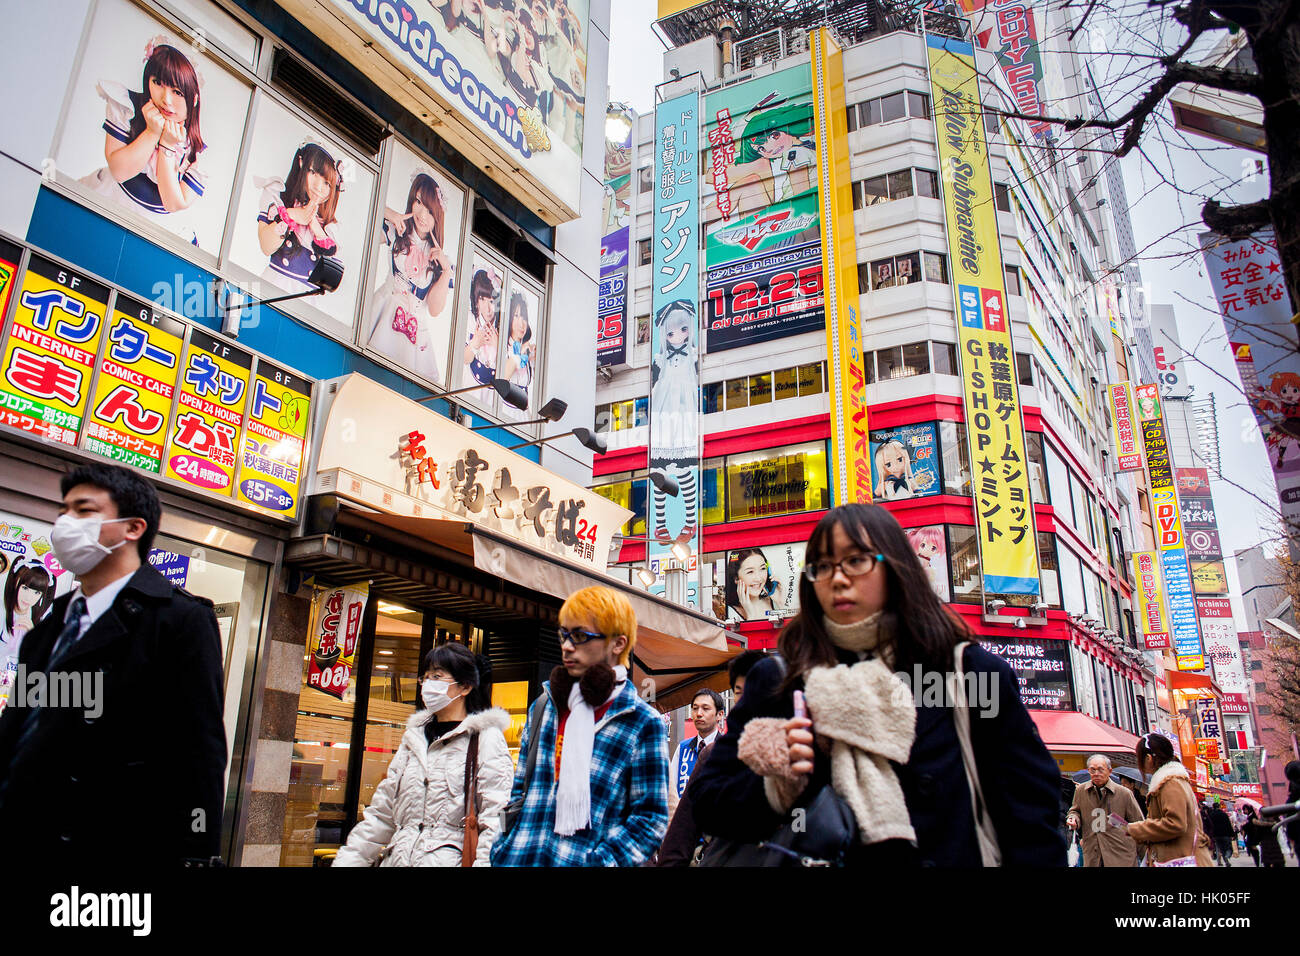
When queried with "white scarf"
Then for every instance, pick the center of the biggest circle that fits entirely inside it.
(573, 798)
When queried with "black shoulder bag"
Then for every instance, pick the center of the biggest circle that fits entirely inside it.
(510, 814)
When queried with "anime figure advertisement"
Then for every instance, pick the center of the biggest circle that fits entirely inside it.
(1249, 285)
(1004, 516)
(904, 462)
(761, 214)
(674, 340)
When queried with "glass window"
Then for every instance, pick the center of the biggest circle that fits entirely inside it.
(1077, 503)
(711, 491)
(645, 179)
(631, 495)
(812, 378)
(737, 392)
(936, 267)
(1058, 482)
(712, 402)
(869, 366)
(890, 362)
(875, 190)
(918, 105)
(1092, 518)
(945, 358)
(852, 113)
(1002, 197)
(643, 252)
(602, 418)
(785, 383)
(1024, 369)
(777, 481)
(927, 183)
(916, 358)
(641, 412)
(1071, 573)
(900, 184)
(991, 126)
(909, 268)
(956, 458)
(963, 553)
(1049, 576)
(892, 107)
(1013, 280)
(882, 273)
(760, 388)
(1037, 471)
(871, 113)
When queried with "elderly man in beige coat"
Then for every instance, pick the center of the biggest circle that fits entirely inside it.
(1094, 802)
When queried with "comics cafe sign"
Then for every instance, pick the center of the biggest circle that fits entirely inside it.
(387, 452)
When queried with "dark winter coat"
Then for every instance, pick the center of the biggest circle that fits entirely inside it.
(143, 782)
(1222, 824)
(1018, 776)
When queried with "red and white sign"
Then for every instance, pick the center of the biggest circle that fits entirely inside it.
(1251, 790)
(334, 635)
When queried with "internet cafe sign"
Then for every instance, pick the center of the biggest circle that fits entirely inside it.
(387, 452)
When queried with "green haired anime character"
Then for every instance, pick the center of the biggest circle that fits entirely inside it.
(778, 148)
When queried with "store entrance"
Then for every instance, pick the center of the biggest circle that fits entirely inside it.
(342, 748)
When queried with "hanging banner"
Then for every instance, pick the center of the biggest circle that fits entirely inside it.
(1222, 645)
(137, 377)
(1169, 532)
(850, 429)
(50, 354)
(210, 413)
(1248, 283)
(674, 341)
(763, 259)
(1007, 28)
(333, 636)
(271, 455)
(1004, 515)
(1150, 596)
(1128, 457)
(611, 314)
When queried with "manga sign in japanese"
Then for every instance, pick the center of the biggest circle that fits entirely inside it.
(1127, 455)
(210, 413)
(1004, 515)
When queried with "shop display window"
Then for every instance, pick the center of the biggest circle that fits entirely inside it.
(963, 553)
(777, 481)
(631, 495)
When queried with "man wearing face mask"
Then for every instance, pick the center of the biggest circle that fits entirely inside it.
(140, 756)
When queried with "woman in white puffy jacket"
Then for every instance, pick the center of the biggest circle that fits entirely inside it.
(417, 815)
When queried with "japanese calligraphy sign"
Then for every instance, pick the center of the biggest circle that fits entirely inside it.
(1148, 591)
(1128, 456)
(1209, 723)
(674, 337)
(850, 428)
(209, 413)
(611, 313)
(1004, 515)
(333, 636)
(1169, 534)
(1222, 645)
(762, 217)
(50, 353)
(137, 377)
(393, 454)
(271, 451)
(1248, 282)
(1007, 28)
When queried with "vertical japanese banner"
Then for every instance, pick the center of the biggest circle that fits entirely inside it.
(1249, 285)
(1128, 457)
(210, 413)
(1004, 516)
(49, 357)
(850, 434)
(333, 636)
(675, 336)
(1169, 531)
(1012, 34)
(137, 377)
(611, 315)
(1150, 594)
(271, 453)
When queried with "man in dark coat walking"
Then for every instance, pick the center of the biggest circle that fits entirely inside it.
(1223, 834)
(113, 746)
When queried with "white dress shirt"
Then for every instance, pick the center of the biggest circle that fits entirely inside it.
(97, 603)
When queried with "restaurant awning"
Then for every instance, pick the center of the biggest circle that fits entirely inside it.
(1191, 683)
(678, 650)
(1073, 732)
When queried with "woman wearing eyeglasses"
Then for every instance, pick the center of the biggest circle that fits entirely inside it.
(417, 816)
(871, 652)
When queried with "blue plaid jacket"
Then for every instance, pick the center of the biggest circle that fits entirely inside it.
(629, 795)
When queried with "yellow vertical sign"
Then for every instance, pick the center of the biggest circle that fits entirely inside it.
(1004, 514)
(850, 447)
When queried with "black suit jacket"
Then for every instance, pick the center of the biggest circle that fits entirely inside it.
(141, 782)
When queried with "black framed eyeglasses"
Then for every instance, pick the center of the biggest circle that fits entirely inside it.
(854, 566)
(578, 636)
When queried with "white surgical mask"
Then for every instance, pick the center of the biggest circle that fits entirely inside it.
(76, 542)
(434, 694)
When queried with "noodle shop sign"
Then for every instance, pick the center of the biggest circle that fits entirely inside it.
(335, 631)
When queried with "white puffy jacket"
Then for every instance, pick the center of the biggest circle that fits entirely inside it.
(418, 811)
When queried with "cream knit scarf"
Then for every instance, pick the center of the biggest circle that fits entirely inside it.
(869, 716)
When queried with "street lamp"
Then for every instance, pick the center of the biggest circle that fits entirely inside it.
(586, 437)
(552, 411)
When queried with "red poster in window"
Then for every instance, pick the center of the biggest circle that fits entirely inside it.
(333, 636)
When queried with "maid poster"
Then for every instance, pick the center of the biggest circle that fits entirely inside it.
(32, 578)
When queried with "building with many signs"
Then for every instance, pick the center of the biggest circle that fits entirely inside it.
(394, 450)
(902, 296)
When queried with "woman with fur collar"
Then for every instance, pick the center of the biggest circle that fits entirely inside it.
(871, 650)
(417, 815)
(1172, 829)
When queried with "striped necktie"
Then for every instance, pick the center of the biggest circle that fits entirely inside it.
(70, 633)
